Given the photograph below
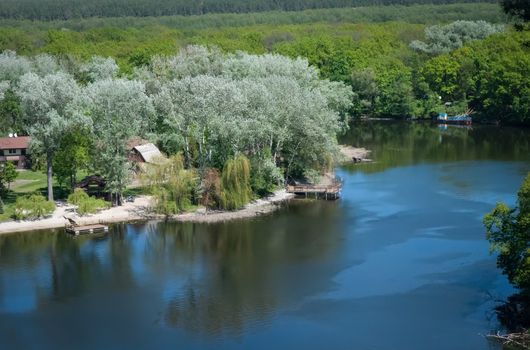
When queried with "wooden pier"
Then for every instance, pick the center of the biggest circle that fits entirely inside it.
(83, 229)
(329, 192)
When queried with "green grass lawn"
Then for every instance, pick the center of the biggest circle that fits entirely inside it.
(26, 182)
(29, 181)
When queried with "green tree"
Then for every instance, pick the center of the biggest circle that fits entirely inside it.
(11, 113)
(72, 156)
(8, 174)
(508, 230)
(517, 8)
(366, 91)
(119, 109)
(45, 104)
(441, 39)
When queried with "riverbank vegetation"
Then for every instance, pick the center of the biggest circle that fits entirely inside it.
(276, 95)
(227, 112)
(84, 203)
(508, 230)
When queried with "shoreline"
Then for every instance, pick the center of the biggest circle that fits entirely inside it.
(139, 211)
(354, 154)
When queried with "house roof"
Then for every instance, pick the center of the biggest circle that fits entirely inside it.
(149, 152)
(21, 142)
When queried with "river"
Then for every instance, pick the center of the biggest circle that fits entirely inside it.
(399, 262)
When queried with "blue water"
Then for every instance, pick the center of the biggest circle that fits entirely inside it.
(400, 262)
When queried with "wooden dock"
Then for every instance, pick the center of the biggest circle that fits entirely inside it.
(83, 229)
(329, 192)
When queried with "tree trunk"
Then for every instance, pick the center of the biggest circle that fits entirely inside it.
(187, 153)
(72, 182)
(49, 172)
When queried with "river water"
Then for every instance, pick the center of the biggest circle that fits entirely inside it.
(400, 262)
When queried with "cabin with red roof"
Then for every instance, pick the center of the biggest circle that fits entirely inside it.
(15, 149)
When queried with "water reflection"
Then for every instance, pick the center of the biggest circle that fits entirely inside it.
(211, 279)
(398, 144)
(402, 254)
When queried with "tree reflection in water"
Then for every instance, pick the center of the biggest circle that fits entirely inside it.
(246, 267)
(207, 278)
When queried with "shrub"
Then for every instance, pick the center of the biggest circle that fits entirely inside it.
(265, 176)
(86, 204)
(33, 207)
(211, 188)
(172, 186)
(313, 176)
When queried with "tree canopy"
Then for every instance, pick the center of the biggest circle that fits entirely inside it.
(213, 107)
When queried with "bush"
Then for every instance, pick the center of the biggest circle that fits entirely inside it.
(33, 207)
(86, 204)
(265, 176)
(313, 176)
(211, 188)
(172, 186)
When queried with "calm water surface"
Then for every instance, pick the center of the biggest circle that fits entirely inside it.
(400, 262)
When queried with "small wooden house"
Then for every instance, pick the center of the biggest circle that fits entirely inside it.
(142, 151)
(15, 149)
(147, 153)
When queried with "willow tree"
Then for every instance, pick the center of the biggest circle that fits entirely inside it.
(235, 183)
(119, 109)
(99, 68)
(452, 36)
(271, 108)
(47, 106)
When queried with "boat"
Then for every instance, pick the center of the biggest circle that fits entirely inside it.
(461, 119)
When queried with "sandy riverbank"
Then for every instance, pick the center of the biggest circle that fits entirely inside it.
(139, 210)
(354, 154)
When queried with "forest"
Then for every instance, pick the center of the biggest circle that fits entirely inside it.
(242, 108)
(68, 9)
(400, 69)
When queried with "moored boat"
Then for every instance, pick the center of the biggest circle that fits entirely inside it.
(462, 119)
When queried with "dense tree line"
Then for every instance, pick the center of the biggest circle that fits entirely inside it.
(254, 119)
(490, 76)
(67, 9)
(394, 69)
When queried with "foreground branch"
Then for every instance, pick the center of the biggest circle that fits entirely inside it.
(521, 340)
